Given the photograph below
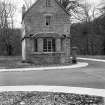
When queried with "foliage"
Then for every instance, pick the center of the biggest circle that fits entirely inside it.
(94, 32)
(10, 43)
(8, 35)
(46, 98)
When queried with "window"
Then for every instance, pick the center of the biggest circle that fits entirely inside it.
(35, 45)
(49, 45)
(48, 20)
(48, 3)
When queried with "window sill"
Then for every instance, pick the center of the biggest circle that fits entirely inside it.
(48, 53)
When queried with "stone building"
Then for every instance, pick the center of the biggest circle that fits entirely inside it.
(46, 33)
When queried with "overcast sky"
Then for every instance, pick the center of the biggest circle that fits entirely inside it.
(19, 4)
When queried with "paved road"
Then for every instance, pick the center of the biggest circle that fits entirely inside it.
(92, 76)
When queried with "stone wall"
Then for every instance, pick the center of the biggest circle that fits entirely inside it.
(34, 23)
(46, 58)
(34, 20)
(62, 54)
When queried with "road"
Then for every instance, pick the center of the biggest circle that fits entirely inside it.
(92, 76)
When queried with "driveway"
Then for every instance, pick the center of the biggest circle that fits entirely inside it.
(92, 76)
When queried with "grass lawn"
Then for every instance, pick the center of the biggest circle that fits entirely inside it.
(10, 62)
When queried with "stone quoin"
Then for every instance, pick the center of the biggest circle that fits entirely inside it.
(46, 33)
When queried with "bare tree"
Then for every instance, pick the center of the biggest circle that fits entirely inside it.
(6, 22)
(7, 11)
(89, 13)
(12, 10)
(82, 11)
(28, 3)
(74, 8)
(101, 7)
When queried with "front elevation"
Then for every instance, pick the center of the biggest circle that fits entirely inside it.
(46, 33)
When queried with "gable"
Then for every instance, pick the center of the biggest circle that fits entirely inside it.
(40, 6)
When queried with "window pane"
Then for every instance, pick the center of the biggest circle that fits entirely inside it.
(35, 45)
(49, 45)
(44, 45)
(53, 45)
(49, 50)
(48, 19)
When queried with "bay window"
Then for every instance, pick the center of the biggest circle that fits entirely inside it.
(48, 45)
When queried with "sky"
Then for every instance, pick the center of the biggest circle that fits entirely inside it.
(93, 1)
(19, 3)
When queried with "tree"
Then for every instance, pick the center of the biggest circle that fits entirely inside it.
(6, 22)
(101, 7)
(28, 3)
(73, 7)
(89, 13)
